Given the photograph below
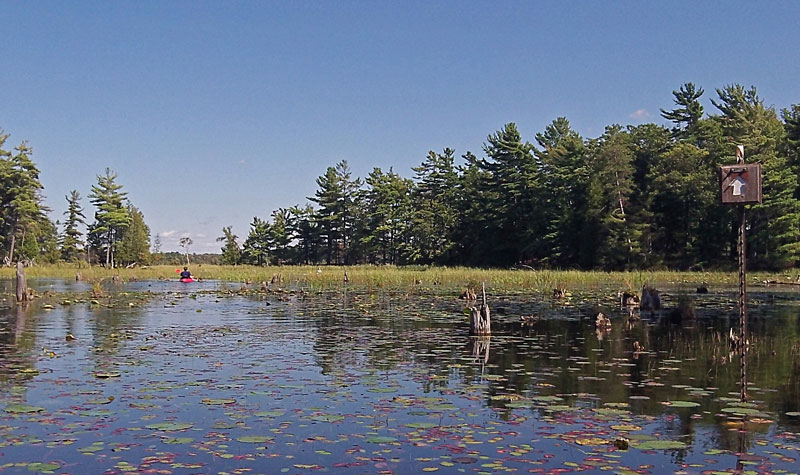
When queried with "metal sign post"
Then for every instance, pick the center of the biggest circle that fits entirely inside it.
(740, 184)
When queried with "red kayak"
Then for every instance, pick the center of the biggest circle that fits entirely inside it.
(186, 280)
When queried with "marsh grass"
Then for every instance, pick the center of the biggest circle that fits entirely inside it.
(398, 278)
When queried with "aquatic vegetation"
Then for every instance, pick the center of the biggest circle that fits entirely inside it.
(356, 380)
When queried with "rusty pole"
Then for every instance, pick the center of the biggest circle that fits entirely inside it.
(743, 299)
(742, 287)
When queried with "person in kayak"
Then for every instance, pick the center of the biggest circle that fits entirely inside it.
(186, 274)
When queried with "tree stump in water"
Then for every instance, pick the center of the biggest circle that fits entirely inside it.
(22, 284)
(480, 322)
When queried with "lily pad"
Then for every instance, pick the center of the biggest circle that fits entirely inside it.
(421, 425)
(381, 439)
(659, 445)
(681, 404)
(43, 467)
(22, 409)
(327, 417)
(218, 401)
(740, 411)
(177, 440)
(591, 441)
(169, 426)
(254, 439)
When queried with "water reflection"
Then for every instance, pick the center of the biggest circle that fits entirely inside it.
(352, 367)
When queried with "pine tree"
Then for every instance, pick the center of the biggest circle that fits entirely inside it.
(21, 208)
(71, 238)
(435, 214)
(305, 229)
(134, 242)
(689, 110)
(564, 176)
(791, 123)
(618, 231)
(111, 217)
(388, 210)
(774, 236)
(473, 201)
(337, 199)
(231, 253)
(280, 234)
(514, 223)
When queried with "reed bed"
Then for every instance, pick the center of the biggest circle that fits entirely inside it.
(392, 277)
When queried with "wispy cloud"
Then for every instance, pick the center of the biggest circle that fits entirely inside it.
(168, 233)
(639, 114)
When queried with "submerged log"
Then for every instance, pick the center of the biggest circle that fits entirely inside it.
(22, 284)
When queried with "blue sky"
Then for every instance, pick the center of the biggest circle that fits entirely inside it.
(214, 112)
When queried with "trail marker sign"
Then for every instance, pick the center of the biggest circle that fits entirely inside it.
(740, 184)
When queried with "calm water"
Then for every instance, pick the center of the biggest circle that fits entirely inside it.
(188, 379)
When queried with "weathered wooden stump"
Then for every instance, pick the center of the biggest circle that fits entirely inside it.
(651, 300)
(480, 322)
(22, 284)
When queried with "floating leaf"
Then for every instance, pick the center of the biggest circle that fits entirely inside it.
(22, 409)
(740, 411)
(421, 425)
(270, 413)
(659, 445)
(626, 427)
(177, 440)
(591, 441)
(43, 467)
(681, 404)
(383, 390)
(381, 439)
(254, 439)
(218, 401)
(169, 426)
(326, 417)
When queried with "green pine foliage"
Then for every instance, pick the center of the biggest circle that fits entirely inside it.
(636, 197)
(111, 216)
(134, 243)
(71, 243)
(232, 254)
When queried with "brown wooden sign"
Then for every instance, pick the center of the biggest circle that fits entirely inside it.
(740, 184)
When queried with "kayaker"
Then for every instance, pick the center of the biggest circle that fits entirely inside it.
(186, 274)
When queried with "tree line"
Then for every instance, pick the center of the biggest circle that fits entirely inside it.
(117, 236)
(637, 196)
(643, 196)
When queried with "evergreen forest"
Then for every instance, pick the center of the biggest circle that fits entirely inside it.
(636, 197)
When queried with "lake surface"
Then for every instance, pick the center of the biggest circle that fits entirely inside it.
(161, 377)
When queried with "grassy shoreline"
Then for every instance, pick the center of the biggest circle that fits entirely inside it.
(400, 277)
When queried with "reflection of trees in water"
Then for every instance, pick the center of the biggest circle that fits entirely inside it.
(17, 340)
(564, 356)
(110, 326)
